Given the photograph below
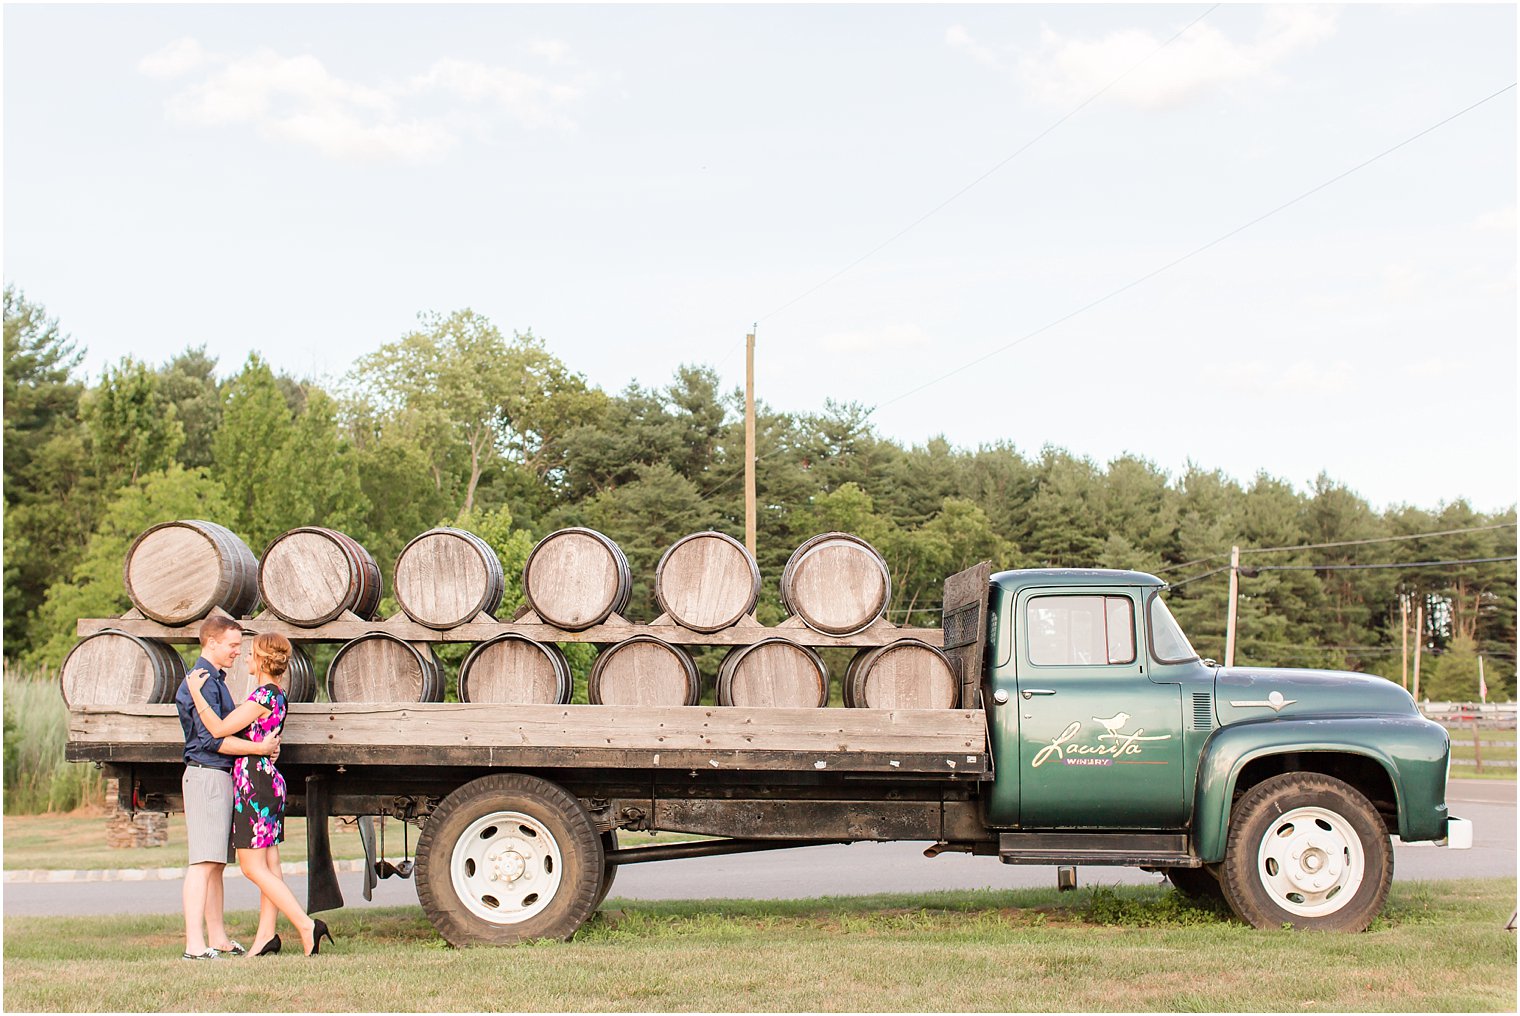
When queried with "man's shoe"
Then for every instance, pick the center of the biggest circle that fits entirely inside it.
(209, 954)
(236, 948)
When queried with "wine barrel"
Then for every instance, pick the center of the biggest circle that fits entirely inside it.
(311, 575)
(299, 679)
(773, 672)
(378, 667)
(836, 583)
(513, 669)
(176, 572)
(644, 671)
(446, 577)
(707, 581)
(575, 578)
(906, 674)
(113, 668)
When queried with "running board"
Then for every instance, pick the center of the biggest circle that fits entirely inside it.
(1158, 850)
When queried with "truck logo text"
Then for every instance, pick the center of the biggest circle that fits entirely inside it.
(1117, 744)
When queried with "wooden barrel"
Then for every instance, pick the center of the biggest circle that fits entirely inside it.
(575, 578)
(707, 581)
(310, 575)
(513, 669)
(446, 577)
(773, 672)
(377, 667)
(644, 671)
(836, 583)
(299, 680)
(112, 668)
(177, 572)
(906, 674)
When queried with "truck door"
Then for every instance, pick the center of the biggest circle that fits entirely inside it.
(1099, 743)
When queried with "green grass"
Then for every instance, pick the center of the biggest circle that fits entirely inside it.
(1463, 764)
(1439, 947)
(78, 840)
(37, 779)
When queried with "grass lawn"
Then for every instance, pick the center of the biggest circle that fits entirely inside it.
(78, 840)
(1498, 745)
(1439, 946)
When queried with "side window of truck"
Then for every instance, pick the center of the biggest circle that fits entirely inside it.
(1067, 631)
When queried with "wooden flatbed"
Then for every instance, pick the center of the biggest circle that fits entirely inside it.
(949, 743)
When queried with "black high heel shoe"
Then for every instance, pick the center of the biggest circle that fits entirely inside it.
(270, 948)
(318, 929)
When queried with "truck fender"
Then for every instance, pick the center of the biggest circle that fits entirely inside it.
(1406, 748)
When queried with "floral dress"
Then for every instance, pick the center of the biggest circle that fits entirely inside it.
(258, 789)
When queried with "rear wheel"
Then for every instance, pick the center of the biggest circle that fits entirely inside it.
(1307, 850)
(508, 858)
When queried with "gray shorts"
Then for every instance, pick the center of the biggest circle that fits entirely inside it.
(208, 814)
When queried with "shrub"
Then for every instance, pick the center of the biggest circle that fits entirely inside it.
(36, 777)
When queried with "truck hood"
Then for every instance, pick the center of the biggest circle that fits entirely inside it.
(1261, 693)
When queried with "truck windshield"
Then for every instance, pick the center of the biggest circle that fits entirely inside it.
(1168, 644)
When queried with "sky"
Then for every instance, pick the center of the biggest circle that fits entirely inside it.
(639, 186)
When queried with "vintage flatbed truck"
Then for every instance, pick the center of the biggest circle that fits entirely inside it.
(1092, 733)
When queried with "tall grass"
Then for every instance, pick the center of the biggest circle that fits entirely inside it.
(36, 777)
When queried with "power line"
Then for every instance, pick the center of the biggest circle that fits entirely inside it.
(1024, 148)
(1342, 567)
(1340, 543)
(1193, 253)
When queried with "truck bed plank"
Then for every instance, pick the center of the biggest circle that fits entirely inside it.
(945, 741)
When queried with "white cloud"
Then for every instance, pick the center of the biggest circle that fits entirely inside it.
(957, 37)
(552, 50)
(179, 57)
(876, 340)
(296, 99)
(1497, 220)
(1067, 69)
(1257, 378)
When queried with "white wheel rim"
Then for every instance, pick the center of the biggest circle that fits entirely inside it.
(1311, 862)
(507, 867)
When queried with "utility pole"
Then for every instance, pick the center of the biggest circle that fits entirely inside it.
(1404, 638)
(1419, 641)
(749, 443)
(1229, 625)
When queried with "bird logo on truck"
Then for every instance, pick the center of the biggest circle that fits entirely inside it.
(1116, 746)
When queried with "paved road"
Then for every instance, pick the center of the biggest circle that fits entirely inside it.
(847, 870)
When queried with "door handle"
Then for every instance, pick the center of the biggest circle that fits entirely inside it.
(1030, 693)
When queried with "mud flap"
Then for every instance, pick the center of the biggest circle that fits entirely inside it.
(322, 890)
(367, 838)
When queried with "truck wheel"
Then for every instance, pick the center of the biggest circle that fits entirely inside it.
(1309, 851)
(609, 866)
(1195, 883)
(508, 858)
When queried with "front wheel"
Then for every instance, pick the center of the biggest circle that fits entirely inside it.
(1306, 850)
(508, 858)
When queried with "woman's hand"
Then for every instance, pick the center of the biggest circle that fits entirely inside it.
(197, 679)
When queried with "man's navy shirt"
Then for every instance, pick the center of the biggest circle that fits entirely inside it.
(200, 746)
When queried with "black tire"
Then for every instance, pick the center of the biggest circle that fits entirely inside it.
(609, 866)
(1195, 883)
(559, 828)
(1334, 823)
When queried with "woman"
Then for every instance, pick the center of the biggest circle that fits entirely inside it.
(258, 820)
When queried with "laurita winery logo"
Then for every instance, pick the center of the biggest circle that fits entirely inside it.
(1114, 745)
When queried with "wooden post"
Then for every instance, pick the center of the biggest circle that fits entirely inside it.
(1477, 747)
(1419, 641)
(1229, 625)
(1404, 639)
(749, 443)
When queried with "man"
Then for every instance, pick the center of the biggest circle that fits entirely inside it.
(207, 789)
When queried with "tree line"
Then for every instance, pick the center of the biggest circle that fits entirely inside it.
(459, 423)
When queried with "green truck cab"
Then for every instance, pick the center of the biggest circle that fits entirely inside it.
(1277, 789)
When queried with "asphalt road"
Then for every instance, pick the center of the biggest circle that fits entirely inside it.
(846, 870)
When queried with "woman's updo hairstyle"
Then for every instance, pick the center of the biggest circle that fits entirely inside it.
(273, 652)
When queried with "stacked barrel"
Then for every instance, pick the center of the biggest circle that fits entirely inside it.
(573, 580)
